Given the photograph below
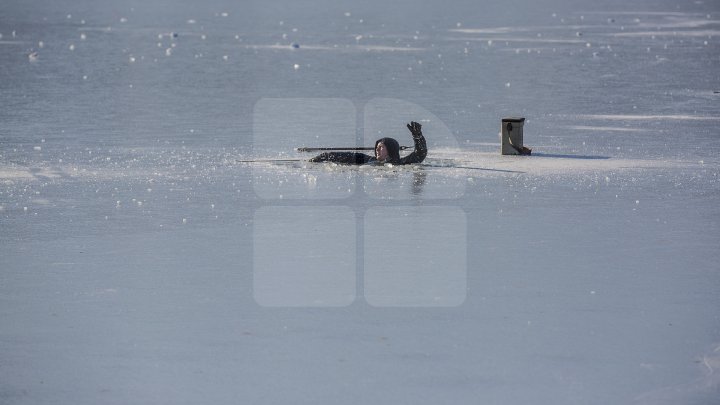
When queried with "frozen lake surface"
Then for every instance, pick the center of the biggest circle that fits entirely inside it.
(143, 259)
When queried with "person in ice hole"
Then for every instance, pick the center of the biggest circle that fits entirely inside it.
(387, 150)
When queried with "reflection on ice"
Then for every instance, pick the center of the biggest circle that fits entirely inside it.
(558, 156)
(345, 48)
(673, 33)
(520, 39)
(639, 117)
(605, 128)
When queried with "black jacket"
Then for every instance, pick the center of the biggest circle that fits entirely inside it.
(393, 148)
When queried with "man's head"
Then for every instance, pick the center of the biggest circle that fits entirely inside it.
(387, 150)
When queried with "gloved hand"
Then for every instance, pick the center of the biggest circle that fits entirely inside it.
(420, 151)
(415, 129)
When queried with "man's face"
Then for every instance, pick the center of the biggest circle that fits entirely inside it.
(381, 152)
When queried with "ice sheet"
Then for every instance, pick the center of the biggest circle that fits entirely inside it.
(143, 259)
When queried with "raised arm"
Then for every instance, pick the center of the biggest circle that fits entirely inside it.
(420, 151)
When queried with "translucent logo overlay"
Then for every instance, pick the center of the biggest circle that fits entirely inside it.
(326, 236)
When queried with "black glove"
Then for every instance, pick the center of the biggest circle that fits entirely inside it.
(415, 129)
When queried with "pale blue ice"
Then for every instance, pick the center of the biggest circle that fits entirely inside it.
(144, 261)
